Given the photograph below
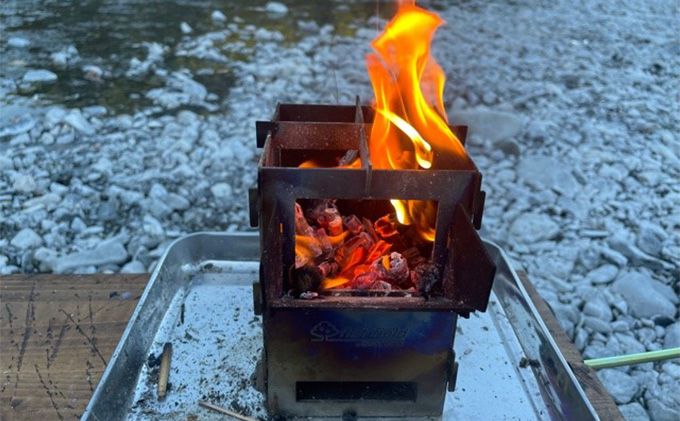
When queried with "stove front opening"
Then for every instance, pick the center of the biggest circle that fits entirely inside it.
(363, 248)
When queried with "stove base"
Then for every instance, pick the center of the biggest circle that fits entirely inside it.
(330, 362)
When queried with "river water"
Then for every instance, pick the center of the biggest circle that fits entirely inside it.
(108, 33)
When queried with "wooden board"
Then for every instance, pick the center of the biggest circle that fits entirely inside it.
(595, 391)
(57, 333)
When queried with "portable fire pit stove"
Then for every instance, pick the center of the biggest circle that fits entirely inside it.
(348, 353)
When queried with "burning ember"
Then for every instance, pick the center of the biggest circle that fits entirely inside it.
(352, 252)
(409, 132)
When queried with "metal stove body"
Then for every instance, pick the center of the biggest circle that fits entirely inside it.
(389, 356)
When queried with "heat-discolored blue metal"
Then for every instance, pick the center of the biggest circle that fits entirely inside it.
(405, 353)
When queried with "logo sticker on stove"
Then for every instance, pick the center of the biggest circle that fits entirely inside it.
(364, 337)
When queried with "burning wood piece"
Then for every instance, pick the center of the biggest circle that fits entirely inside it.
(306, 250)
(353, 224)
(301, 225)
(389, 270)
(328, 216)
(368, 226)
(385, 228)
(367, 280)
(324, 240)
(305, 279)
(425, 276)
(353, 251)
(394, 269)
(332, 222)
(379, 249)
(307, 247)
(413, 257)
(329, 269)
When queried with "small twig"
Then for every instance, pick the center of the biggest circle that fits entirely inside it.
(164, 371)
(225, 411)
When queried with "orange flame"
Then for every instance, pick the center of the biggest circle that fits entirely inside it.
(410, 124)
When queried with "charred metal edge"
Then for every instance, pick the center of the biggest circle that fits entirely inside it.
(382, 303)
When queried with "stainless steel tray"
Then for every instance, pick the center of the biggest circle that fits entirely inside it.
(199, 298)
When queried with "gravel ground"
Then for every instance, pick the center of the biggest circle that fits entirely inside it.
(573, 108)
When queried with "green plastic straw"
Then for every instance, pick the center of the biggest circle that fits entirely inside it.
(642, 357)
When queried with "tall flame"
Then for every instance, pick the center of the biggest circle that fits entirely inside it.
(410, 124)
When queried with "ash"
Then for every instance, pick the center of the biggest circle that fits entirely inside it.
(216, 343)
(573, 111)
